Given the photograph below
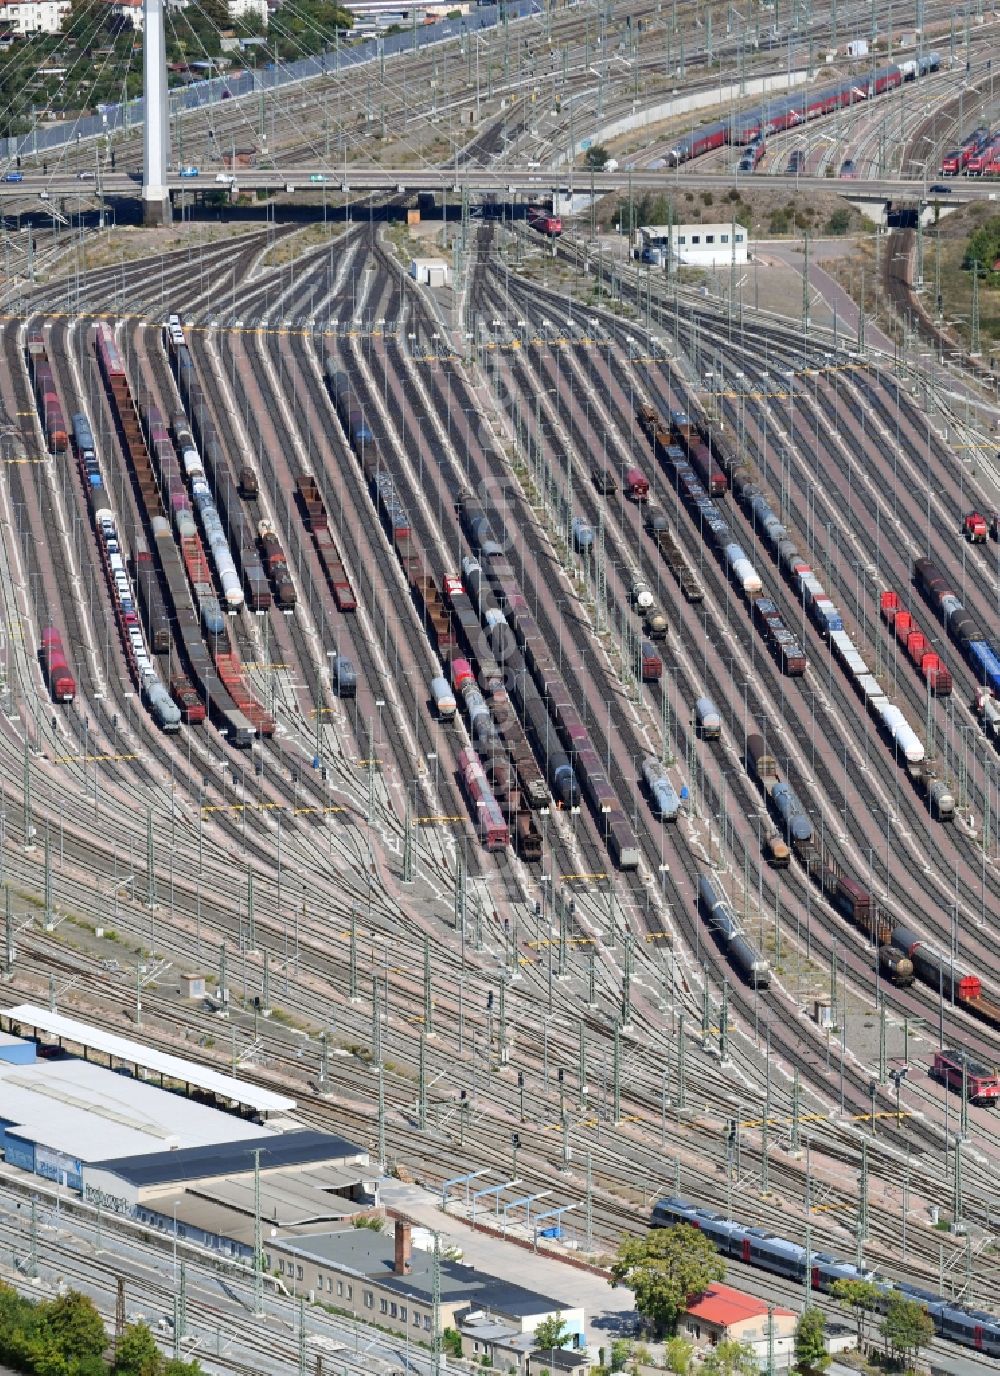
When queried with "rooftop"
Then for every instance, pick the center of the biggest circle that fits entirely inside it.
(300, 1148)
(237, 1092)
(371, 1254)
(87, 1111)
(288, 1198)
(723, 1306)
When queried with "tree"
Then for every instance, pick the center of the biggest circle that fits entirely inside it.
(137, 1353)
(907, 1326)
(811, 1355)
(983, 246)
(551, 1333)
(596, 157)
(730, 1358)
(663, 1268)
(679, 1352)
(75, 1326)
(620, 1350)
(863, 1297)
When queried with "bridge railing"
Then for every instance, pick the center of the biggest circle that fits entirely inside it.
(127, 115)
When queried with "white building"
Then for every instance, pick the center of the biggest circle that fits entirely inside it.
(34, 16)
(429, 272)
(253, 9)
(694, 245)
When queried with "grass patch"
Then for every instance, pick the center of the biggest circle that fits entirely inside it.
(293, 246)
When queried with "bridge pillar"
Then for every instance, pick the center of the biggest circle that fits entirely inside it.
(156, 124)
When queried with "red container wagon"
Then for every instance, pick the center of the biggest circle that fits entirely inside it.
(637, 485)
(186, 697)
(60, 682)
(490, 821)
(652, 664)
(982, 1083)
(707, 468)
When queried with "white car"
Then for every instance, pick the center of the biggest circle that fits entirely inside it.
(225, 178)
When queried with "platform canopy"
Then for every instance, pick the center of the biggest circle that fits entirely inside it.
(264, 1101)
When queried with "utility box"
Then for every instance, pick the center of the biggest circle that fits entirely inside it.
(192, 986)
(858, 47)
(413, 217)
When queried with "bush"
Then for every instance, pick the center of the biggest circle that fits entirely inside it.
(839, 222)
(689, 195)
(707, 198)
(595, 158)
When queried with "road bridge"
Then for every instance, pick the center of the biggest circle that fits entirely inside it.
(499, 181)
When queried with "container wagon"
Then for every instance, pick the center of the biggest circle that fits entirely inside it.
(55, 666)
(151, 604)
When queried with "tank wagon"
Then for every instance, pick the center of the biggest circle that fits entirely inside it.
(725, 927)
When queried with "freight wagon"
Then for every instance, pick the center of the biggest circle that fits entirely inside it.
(151, 604)
(724, 925)
(490, 821)
(46, 397)
(55, 667)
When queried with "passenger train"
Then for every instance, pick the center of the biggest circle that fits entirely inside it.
(757, 1247)
(788, 111)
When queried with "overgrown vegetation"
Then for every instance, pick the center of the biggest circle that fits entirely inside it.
(982, 249)
(66, 1337)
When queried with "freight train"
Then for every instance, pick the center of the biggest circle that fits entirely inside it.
(560, 725)
(824, 614)
(449, 620)
(140, 663)
(757, 1247)
(217, 676)
(979, 651)
(787, 112)
(698, 477)
(240, 528)
(208, 516)
(46, 397)
(55, 667)
(909, 635)
(903, 953)
(317, 523)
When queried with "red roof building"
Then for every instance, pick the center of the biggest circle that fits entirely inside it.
(722, 1313)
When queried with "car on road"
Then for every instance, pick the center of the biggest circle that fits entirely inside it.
(189, 171)
(85, 176)
(225, 178)
(13, 176)
(316, 177)
(940, 189)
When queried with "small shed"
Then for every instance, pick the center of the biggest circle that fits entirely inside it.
(429, 272)
(192, 986)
